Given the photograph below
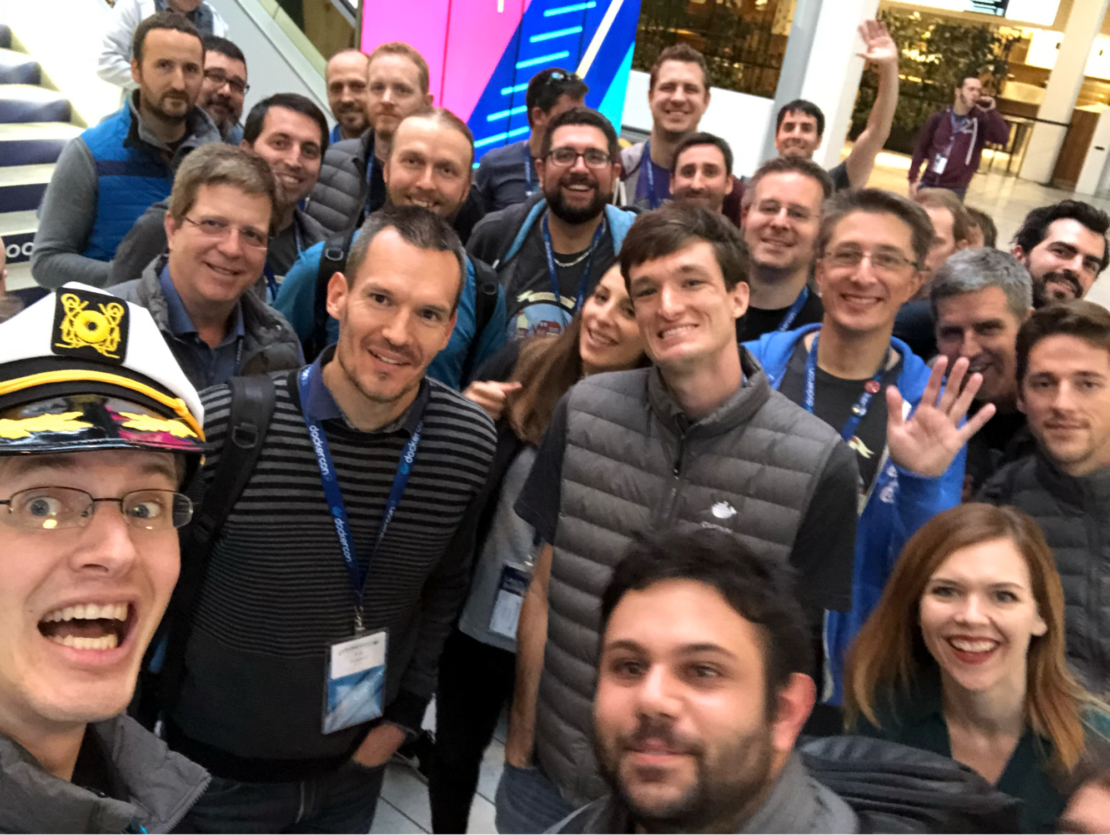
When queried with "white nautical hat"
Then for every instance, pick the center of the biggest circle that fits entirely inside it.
(83, 370)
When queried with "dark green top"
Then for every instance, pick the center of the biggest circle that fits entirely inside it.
(918, 721)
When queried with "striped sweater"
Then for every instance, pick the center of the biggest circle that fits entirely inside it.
(276, 591)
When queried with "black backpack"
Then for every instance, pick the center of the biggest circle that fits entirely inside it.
(334, 259)
(252, 407)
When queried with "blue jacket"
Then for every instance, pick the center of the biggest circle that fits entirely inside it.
(898, 503)
(130, 178)
(296, 300)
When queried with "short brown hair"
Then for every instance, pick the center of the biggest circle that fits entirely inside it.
(679, 52)
(216, 164)
(672, 227)
(1082, 319)
(173, 21)
(406, 51)
(942, 198)
(443, 116)
(878, 202)
(797, 165)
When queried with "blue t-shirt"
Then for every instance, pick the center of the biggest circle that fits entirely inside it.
(507, 176)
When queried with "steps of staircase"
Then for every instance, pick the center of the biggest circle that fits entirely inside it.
(19, 276)
(22, 186)
(19, 68)
(29, 103)
(31, 143)
(17, 223)
(5, 36)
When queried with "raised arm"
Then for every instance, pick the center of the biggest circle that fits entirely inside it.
(879, 49)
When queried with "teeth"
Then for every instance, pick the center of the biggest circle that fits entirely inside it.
(388, 360)
(89, 611)
(676, 331)
(972, 646)
(423, 204)
(108, 641)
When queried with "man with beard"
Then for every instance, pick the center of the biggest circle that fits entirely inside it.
(351, 185)
(702, 171)
(224, 87)
(345, 77)
(980, 298)
(550, 251)
(782, 217)
(1064, 248)
(429, 165)
(800, 124)
(110, 174)
(702, 689)
(290, 133)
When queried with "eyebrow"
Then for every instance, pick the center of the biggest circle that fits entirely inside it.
(63, 463)
(686, 649)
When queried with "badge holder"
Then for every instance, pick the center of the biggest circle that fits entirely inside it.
(514, 582)
(940, 163)
(355, 686)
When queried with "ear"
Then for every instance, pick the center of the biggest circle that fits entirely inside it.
(338, 292)
(541, 166)
(730, 184)
(917, 282)
(171, 227)
(136, 72)
(961, 245)
(385, 172)
(1040, 628)
(740, 296)
(1019, 254)
(793, 704)
(819, 274)
(428, 99)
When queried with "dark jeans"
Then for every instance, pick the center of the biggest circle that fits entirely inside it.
(475, 682)
(343, 801)
(528, 802)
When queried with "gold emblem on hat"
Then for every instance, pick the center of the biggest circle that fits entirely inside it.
(85, 328)
(149, 423)
(13, 430)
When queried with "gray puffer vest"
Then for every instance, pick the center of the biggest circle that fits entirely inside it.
(339, 196)
(633, 461)
(162, 786)
(1074, 514)
(269, 341)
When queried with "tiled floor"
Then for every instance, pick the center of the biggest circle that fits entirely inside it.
(403, 806)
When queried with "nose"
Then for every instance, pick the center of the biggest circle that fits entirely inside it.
(780, 218)
(580, 164)
(657, 694)
(106, 545)
(972, 611)
(970, 346)
(387, 94)
(396, 329)
(1064, 398)
(670, 305)
(426, 181)
(231, 244)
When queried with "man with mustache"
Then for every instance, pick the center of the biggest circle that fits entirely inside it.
(980, 297)
(225, 86)
(781, 218)
(1064, 248)
(1063, 373)
(550, 251)
(800, 124)
(290, 133)
(703, 685)
(110, 174)
(345, 77)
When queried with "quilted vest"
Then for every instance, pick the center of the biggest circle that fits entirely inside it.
(634, 461)
(129, 181)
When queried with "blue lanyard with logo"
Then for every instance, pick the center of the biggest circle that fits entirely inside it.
(334, 495)
(794, 310)
(371, 161)
(528, 190)
(870, 389)
(268, 271)
(649, 170)
(584, 281)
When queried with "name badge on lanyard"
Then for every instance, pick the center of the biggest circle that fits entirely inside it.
(355, 679)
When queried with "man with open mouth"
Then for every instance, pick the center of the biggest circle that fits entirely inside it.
(1064, 248)
(99, 429)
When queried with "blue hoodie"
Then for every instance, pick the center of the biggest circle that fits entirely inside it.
(898, 503)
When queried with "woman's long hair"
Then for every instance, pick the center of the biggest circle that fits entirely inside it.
(889, 652)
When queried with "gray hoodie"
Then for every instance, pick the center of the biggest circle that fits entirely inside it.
(161, 786)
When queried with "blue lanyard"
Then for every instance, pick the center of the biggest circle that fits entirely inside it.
(528, 190)
(794, 310)
(554, 275)
(870, 389)
(268, 271)
(370, 163)
(645, 160)
(334, 495)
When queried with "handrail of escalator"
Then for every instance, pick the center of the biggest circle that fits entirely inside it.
(349, 11)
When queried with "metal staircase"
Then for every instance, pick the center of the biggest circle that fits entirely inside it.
(35, 124)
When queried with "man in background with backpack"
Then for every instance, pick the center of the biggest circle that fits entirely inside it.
(429, 165)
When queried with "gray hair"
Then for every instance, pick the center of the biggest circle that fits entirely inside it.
(972, 270)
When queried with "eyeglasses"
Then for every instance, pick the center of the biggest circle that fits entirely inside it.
(882, 261)
(220, 78)
(215, 227)
(567, 157)
(49, 508)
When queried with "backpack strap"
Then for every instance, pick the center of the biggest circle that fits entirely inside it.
(252, 407)
(485, 304)
(333, 259)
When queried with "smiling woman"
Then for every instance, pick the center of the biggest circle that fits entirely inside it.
(964, 656)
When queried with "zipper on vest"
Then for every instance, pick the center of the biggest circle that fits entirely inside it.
(681, 452)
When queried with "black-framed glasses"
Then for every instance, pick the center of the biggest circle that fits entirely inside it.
(882, 260)
(49, 508)
(220, 78)
(568, 157)
(216, 227)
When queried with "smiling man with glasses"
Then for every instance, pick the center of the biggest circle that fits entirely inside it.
(218, 229)
(883, 399)
(225, 86)
(99, 428)
(550, 251)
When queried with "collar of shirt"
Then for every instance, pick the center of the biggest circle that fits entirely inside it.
(321, 405)
(181, 324)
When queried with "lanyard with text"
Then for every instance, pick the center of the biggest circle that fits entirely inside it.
(870, 389)
(649, 171)
(268, 271)
(528, 190)
(334, 495)
(370, 163)
(794, 310)
(584, 281)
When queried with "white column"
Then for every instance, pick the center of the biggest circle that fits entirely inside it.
(1084, 25)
